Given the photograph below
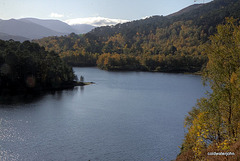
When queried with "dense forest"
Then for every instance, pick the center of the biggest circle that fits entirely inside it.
(176, 48)
(214, 124)
(28, 67)
(171, 43)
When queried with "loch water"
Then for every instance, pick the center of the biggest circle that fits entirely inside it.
(124, 116)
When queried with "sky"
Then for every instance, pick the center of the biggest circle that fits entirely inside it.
(93, 12)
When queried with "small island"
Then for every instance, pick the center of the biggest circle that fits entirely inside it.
(27, 67)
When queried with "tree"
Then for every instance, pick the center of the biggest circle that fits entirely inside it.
(27, 66)
(81, 79)
(222, 72)
(216, 120)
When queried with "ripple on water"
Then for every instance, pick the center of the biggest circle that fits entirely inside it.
(8, 134)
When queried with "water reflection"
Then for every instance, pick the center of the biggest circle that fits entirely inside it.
(28, 98)
(8, 134)
(8, 155)
(81, 89)
(19, 99)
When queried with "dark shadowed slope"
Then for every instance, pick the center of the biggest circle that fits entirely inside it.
(4, 36)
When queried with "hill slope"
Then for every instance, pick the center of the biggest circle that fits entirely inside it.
(207, 15)
(168, 44)
(185, 10)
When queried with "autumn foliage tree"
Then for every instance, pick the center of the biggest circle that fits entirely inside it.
(216, 119)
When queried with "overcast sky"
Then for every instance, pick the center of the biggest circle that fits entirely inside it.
(91, 11)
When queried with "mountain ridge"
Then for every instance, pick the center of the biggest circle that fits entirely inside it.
(205, 15)
(55, 25)
(185, 10)
(33, 28)
(29, 30)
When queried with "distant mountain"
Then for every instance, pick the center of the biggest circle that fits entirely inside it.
(26, 29)
(54, 25)
(60, 26)
(32, 28)
(82, 28)
(4, 36)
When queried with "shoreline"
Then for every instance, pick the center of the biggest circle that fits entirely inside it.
(7, 91)
(139, 70)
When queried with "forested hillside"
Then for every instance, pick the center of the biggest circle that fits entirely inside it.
(158, 43)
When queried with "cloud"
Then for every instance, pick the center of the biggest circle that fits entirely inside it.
(95, 21)
(56, 15)
(146, 17)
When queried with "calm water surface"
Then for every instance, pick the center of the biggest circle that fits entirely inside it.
(125, 116)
